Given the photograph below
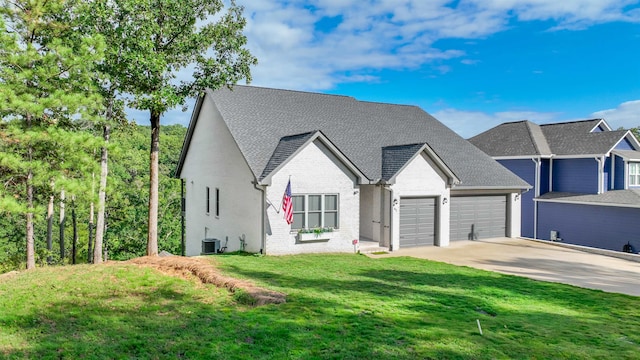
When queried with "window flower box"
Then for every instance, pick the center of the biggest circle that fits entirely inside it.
(314, 235)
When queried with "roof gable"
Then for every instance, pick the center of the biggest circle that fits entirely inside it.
(396, 158)
(289, 146)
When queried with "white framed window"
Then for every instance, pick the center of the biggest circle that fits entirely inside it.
(634, 174)
(315, 211)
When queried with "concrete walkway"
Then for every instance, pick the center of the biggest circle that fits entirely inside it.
(538, 261)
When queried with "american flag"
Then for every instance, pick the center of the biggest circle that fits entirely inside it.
(287, 205)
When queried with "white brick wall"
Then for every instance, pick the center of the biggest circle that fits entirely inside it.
(314, 170)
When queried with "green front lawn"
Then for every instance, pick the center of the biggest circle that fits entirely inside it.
(338, 307)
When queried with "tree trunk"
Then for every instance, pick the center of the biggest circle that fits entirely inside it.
(62, 221)
(50, 229)
(152, 241)
(102, 196)
(74, 221)
(31, 250)
(90, 240)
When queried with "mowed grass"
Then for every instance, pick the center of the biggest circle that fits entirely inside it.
(338, 307)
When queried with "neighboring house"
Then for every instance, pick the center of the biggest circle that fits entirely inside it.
(586, 179)
(388, 174)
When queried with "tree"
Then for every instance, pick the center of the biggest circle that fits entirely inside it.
(155, 40)
(45, 83)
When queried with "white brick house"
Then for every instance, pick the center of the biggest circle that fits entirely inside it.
(388, 174)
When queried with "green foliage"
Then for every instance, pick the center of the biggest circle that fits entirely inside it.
(151, 42)
(128, 196)
(46, 85)
(338, 307)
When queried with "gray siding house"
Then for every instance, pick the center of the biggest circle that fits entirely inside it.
(385, 174)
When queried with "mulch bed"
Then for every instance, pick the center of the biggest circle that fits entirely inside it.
(207, 273)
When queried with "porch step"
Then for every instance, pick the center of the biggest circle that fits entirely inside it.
(367, 247)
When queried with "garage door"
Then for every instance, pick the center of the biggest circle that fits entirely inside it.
(417, 221)
(478, 217)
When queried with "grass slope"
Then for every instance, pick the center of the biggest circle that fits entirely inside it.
(338, 307)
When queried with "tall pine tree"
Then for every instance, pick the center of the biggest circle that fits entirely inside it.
(46, 71)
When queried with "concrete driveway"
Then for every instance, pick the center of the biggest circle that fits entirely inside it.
(538, 261)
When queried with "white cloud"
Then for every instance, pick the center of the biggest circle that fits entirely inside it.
(471, 123)
(373, 35)
(626, 115)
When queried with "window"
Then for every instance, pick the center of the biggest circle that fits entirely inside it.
(314, 211)
(208, 199)
(217, 202)
(634, 174)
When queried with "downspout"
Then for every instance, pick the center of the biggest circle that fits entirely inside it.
(550, 174)
(263, 214)
(538, 163)
(600, 162)
(612, 180)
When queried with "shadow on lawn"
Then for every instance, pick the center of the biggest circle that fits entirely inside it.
(363, 313)
(171, 325)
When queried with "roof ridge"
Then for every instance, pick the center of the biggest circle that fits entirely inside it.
(571, 122)
(537, 138)
(295, 91)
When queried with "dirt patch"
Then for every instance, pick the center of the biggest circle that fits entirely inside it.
(8, 275)
(208, 274)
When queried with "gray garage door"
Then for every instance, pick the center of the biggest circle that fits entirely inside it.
(417, 221)
(478, 217)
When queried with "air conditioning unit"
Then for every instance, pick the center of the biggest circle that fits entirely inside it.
(210, 246)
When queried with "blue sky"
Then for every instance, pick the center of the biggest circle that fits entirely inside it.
(472, 64)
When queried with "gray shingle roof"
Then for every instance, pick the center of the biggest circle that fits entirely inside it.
(259, 118)
(630, 197)
(524, 138)
(512, 139)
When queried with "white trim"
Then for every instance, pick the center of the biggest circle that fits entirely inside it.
(627, 135)
(600, 162)
(598, 124)
(522, 157)
(562, 201)
(507, 188)
(625, 166)
(538, 174)
(551, 175)
(581, 156)
(612, 181)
